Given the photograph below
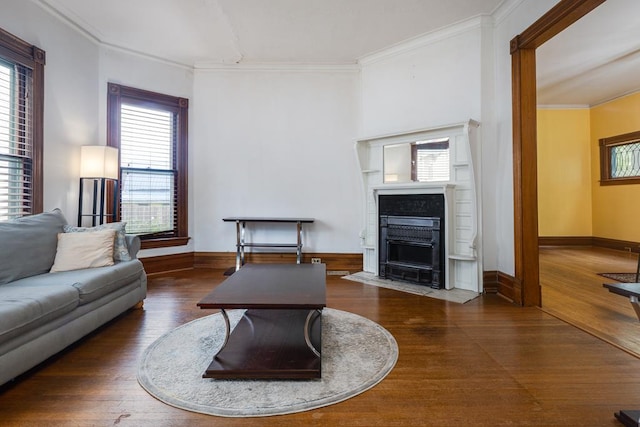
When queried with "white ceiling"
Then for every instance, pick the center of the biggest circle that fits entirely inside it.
(200, 33)
(228, 31)
(595, 60)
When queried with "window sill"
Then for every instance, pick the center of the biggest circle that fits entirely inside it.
(164, 242)
(620, 181)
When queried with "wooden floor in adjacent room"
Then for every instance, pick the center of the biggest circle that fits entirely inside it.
(484, 363)
(572, 291)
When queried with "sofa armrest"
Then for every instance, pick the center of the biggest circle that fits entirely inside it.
(133, 243)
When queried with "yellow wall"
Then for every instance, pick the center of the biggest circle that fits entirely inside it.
(564, 173)
(616, 208)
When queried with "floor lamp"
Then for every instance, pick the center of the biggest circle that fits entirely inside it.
(99, 165)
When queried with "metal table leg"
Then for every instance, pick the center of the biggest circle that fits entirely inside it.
(299, 247)
(238, 245)
(635, 304)
(242, 228)
(307, 331)
(227, 330)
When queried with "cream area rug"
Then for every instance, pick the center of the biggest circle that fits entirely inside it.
(454, 295)
(357, 354)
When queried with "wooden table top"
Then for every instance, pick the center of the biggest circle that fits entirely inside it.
(271, 286)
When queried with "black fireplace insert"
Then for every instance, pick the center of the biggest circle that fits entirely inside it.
(410, 250)
(411, 235)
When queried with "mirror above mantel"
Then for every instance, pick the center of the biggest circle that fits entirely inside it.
(417, 161)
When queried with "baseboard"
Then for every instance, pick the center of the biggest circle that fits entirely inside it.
(497, 282)
(351, 263)
(601, 242)
(565, 241)
(166, 263)
(490, 282)
(621, 245)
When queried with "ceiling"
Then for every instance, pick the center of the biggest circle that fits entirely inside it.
(594, 60)
(573, 68)
(230, 31)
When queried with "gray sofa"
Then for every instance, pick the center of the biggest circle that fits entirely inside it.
(41, 312)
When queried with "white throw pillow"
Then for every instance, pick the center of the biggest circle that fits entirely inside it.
(120, 249)
(84, 250)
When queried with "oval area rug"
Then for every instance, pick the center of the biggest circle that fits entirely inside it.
(357, 354)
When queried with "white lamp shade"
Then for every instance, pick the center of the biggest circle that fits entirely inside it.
(98, 161)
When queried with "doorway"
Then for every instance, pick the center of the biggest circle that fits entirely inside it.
(526, 286)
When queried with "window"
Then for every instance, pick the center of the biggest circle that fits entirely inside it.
(21, 108)
(620, 159)
(430, 160)
(150, 130)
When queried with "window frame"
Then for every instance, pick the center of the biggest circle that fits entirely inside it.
(606, 144)
(16, 50)
(117, 95)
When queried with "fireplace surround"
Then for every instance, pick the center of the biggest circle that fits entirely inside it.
(460, 237)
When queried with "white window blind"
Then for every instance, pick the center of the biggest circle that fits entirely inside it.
(148, 173)
(433, 160)
(16, 143)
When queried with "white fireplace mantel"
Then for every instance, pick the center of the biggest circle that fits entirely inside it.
(463, 268)
(413, 188)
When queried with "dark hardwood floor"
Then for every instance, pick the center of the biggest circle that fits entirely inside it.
(484, 363)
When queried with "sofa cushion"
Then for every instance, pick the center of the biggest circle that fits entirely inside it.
(98, 282)
(28, 245)
(120, 248)
(91, 283)
(25, 308)
(84, 250)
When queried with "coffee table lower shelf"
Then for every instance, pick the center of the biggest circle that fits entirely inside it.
(270, 344)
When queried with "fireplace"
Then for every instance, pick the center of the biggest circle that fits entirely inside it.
(386, 166)
(411, 232)
(410, 250)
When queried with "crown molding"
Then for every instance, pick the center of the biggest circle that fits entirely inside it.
(276, 67)
(105, 47)
(615, 98)
(426, 39)
(505, 9)
(66, 16)
(563, 107)
(585, 106)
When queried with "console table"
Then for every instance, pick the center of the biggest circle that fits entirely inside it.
(241, 222)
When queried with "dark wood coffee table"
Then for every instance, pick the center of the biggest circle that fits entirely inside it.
(279, 335)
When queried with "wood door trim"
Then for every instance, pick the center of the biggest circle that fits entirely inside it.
(526, 290)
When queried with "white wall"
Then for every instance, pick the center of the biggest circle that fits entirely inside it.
(511, 19)
(432, 82)
(276, 143)
(71, 107)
